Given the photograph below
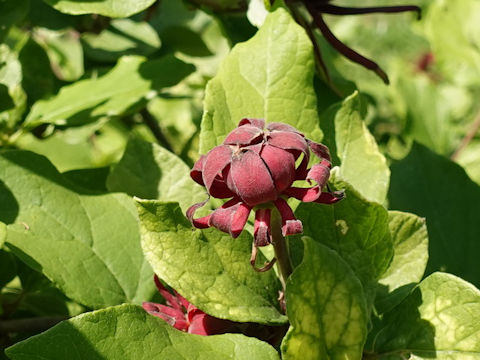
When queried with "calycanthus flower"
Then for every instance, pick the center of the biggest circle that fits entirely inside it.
(182, 315)
(255, 168)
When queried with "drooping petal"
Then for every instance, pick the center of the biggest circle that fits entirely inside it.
(259, 123)
(244, 135)
(290, 225)
(303, 194)
(281, 164)
(251, 179)
(261, 230)
(231, 217)
(320, 173)
(200, 223)
(330, 197)
(172, 300)
(216, 160)
(319, 150)
(204, 324)
(173, 317)
(196, 172)
(275, 126)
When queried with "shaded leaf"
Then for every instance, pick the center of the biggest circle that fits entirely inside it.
(270, 76)
(326, 307)
(11, 13)
(434, 187)
(208, 267)
(439, 320)
(128, 332)
(149, 171)
(88, 245)
(110, 8)
(117, 93)
(356, 229)
(410, 243)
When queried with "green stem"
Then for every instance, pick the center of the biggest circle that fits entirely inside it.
(280, 247)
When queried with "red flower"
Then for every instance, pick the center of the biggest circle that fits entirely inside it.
(255, 167)
(184, 316)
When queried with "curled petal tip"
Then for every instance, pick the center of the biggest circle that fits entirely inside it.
(200, 223)
(259, 123)
(292, 227)
(261, 232)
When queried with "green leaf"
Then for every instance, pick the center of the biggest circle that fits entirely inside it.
(8, 269)
(468, 158)
(64, 50)
(11, 13)
(434, 187)
(88, 245)
(117, 93)
(127, 332)
(356, 229)
(410, 243)
(12, 92)
(452, 28)
(362, 164)
(270, 76)
(149, 171)
(439, 320)
(208, 267)
(326, 307)
(122, 37)
(110, 8)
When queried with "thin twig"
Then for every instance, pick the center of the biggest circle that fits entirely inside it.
(340, 10)
(468, 138)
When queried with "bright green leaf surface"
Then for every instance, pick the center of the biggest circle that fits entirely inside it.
(132, 80)
(88, 245)
(356, 229)
(110, 8)
(326, 307)
(432, 186)
(64, 51)
(122, 37)
(149, 171)
(127, 332)
(468, 158)
(208, 267)
(362, 164)
(439, 320)
(12, 96)
(410, 242)
(270, 76)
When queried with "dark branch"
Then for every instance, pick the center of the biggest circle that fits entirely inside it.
(340, 10)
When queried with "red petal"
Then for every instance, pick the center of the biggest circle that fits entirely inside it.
(170, 298)
(231, 217)
(290, 225)
(259, 123)
(281, 164)
(303, 194)
(172, 316)
(196, 172)
(244, 135)
(274, 126)
(204, 324)
(200, 223)
(261, 230)
(319, 150)
(330, 198)
(216, 160)
(288, 141)
(251, 179)
(320, 173)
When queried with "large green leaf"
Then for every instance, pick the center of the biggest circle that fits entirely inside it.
(410, 242)
(122, 37)
(149, 171)
(356, 229)
(439, 320)
(434, 187)
(326, 307)
(270, 76)
(131, 81)
(88, 245)
(208, 267)
(127, 332)
(110, 8)
(362, 164)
